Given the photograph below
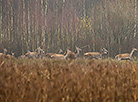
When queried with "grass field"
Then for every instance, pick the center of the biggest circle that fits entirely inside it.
(43, 80)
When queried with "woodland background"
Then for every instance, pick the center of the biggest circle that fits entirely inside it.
(53, 24)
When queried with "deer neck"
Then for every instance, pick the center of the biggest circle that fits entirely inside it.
(67, 54)
(39, 51)
(132, 53)
(77, 52)
(4, 53)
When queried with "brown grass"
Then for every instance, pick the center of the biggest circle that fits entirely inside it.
(27, 80)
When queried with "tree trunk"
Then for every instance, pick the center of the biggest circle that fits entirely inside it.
(135, 12)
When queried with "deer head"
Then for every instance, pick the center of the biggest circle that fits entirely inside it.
(60, 51)
(5, 50)
(104, 51)
(134, 49)
(12, 53)
(78, 49)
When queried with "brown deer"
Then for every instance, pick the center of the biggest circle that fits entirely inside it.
(34, 54)
(48, 55)
(125, 56)
(61, 56)
(10, 56)
(30, 54)
(95, 55)
(22, 56)
(40, 53)
(73, 55)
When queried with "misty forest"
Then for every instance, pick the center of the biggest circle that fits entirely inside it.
(61, 24)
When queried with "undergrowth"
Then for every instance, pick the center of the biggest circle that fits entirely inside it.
(45, 80)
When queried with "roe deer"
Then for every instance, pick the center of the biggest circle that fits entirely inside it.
(125, 56)
(73, 55)
(48, 55)
(95, 55)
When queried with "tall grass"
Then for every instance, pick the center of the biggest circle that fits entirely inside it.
(27, 80)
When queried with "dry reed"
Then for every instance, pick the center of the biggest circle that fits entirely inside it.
(27, 80)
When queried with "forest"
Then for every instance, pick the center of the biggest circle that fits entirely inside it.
(54, 24)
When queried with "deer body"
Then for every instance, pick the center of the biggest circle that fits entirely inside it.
(35, 54)
(125, 56)
(9, 56)
(93, 55)
(96, 55)
(60, 56)
(1, 54)
(30, 54)
(57, 56)
(49, 55)
(72, 55)
(22, 56)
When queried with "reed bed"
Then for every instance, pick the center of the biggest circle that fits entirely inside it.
(45, 80)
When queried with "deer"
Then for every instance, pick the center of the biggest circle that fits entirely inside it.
(40, 53)
(4, 53)
(48, 55)
(58, 56)
(30, 54)
(34, 54)
(72, 55)
(22, 56)
(125, 56)
(61, 56)
(95, 55)
(10, 56)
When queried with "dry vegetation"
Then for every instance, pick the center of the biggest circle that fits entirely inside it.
(27, 80)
